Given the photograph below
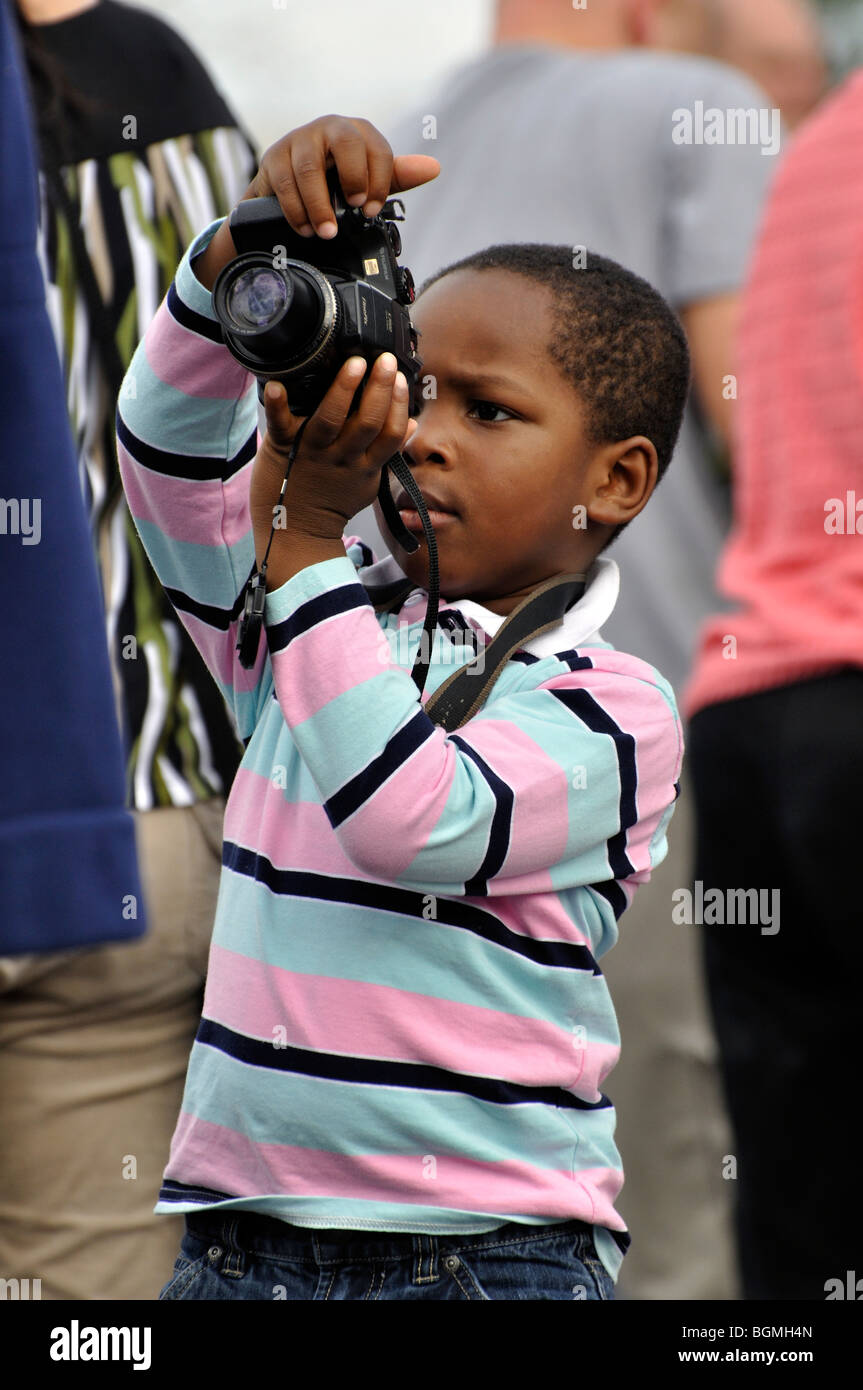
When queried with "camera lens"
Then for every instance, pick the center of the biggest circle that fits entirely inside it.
(256, 298)
(276, 318)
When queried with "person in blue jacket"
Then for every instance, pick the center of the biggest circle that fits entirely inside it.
(68, 864)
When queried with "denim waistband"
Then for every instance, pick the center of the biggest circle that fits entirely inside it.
(270, 1236)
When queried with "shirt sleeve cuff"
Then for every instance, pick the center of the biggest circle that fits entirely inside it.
(189, 288)
(319, 591)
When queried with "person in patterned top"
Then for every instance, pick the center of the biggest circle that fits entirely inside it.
(138, 152)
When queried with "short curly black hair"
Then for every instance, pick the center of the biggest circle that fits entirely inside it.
(616, 340)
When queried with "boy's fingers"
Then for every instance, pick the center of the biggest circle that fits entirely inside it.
(357, 149)
(338, 137)
(291, 202)
(275, 176)
(294, 169)
(308, 165)
(379, 157)
(374, 409)
(396, 427)
(328, 421)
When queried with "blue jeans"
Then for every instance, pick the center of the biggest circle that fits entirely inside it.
(229, 1253)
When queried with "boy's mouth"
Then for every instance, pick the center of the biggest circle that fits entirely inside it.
(411, 519)
(439, 510)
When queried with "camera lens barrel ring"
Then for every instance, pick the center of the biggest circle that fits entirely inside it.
(313, 348)
(317, 347)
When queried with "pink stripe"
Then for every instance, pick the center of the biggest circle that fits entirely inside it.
(312, 670)
(542, 919)
(208, 513)
(190, 363)
(214, 1156)
(603, 1186)
(598, 1059)
(359, 1019)
(291, 835)
(219, 651)
(539, 881)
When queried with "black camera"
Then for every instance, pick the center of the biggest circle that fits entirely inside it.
(293, 308)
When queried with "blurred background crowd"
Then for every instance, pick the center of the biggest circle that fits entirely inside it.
(401, 53)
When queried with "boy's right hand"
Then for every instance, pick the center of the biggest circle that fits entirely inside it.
(294, 169)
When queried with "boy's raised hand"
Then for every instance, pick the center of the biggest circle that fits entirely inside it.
(295, 168)
(337, 469)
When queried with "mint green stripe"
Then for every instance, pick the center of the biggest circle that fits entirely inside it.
(200, 571)
(349, 942)
(274, 1107)
(176, 423)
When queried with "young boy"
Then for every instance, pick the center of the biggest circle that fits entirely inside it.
(395, 1087)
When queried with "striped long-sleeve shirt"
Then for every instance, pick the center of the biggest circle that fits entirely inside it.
(405, 1026)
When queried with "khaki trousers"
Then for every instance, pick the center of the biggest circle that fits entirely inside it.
(94, 1046)
(672, 1127)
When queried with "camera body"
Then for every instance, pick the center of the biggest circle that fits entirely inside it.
(293, 309)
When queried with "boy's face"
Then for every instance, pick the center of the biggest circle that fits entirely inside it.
(501, 446)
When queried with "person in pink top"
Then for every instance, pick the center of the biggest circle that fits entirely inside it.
(776, 740)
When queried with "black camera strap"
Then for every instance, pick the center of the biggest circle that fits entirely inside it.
(410, 543)
(465, 691)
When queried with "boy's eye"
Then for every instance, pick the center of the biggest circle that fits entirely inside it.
(486, 410)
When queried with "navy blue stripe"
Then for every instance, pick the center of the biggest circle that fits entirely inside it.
(570, 657)
(596, 718)
(220, 618)
(381, 897)
(613, 894)
(314, 611)
(361, 788)
(501, 823)
(197, 323)
(574, 661)
(172, 1191)
(200, 468)
(370, 1071)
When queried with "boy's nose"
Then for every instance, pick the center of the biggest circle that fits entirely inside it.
(426, 445)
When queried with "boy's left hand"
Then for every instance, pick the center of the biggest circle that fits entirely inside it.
(338, 466)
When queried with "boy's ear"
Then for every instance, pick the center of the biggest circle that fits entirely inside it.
(624, 476)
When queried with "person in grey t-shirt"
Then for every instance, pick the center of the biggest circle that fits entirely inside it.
(592, 137)
(598, 137)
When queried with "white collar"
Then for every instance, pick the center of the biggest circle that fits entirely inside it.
(581, 623)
